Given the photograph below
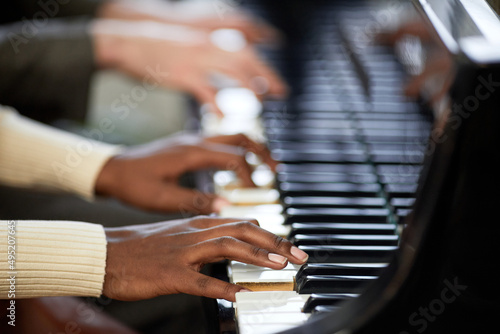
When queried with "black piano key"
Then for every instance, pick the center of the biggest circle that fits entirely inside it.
(327, 177)
(310, 135)
(401, 215)
(333, 284)
(322, 116)
(350, 254)
(393, 124)
(326, 299)
(312, 132)
(327, 156)
(398, 157)
(326, 168)
(394, 138)
(297, 215)
(333, 202)
(315, 145)
(352, 269)
(383, 147)
(321, 124)
(329, 189)
(408, 117)
(402, 108)
(344, 239)
(395, 135)
(324, 309)
(319, 88)
(341, 228)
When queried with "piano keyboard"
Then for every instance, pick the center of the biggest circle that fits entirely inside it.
(350, 148)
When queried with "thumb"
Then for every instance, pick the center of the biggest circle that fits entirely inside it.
(205, 94)
(202, 285)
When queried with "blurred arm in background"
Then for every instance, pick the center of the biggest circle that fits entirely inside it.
(48, 53)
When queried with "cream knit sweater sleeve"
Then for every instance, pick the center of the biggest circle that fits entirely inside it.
(50, 258)
(34, 155)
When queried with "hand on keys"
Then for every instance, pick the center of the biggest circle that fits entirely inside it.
(166, 258)
(147, 176)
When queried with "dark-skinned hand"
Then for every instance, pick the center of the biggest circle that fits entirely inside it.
(150, 260)
(147, 176)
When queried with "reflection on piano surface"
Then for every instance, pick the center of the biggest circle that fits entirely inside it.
(389, 199)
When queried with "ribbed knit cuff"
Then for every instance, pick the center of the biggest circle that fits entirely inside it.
(52, 259)
(36, 155)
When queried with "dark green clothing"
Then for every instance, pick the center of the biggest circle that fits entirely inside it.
(46, 57)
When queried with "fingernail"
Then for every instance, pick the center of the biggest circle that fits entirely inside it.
(245, 290)
(299, 254)
(276, 258)
(219, 203)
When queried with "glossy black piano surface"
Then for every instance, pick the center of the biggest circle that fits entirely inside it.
(369, 175)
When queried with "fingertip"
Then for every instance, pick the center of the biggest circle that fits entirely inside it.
(273, 164)
(237, 289)
(211, 108)
(219, 203)
(299, 254)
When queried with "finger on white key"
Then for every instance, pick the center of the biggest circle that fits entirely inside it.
(227, 180)
(278, 280)
(268, 215)
(257, 278)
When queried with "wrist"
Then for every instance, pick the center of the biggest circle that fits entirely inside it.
(111, 278)
(106, 180)
(120, 250)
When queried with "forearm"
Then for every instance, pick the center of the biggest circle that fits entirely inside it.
(51, 259)
(36, 155)
(160, 11)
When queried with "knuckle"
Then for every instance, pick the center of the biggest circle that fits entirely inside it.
(254, 222)
(224, 242)
(203, 282)
(241, 137)
(228, 289)
(278, 241)
(256, 251)
(200, 221)
(242, 226)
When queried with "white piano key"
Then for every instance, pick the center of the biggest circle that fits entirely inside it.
(251, 319)
(263, 177)
(258, 278)
(269, 312)
(230, 40)
(231, 125)
(270, 301)
(251, 196)
(236, 266)
(264, 329)
(264, 276)
(247, 210)
(269, 216)
(238, 102)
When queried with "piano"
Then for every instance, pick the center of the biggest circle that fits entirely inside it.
(395, 199)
